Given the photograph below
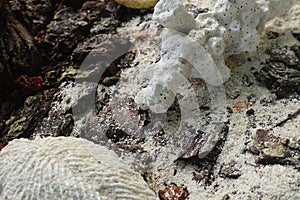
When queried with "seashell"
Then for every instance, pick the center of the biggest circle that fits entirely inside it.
(67, 168)
(138, 4)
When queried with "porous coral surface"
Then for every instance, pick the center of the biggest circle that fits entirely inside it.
(230, 28)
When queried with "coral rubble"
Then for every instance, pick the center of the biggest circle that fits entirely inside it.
(231, 27)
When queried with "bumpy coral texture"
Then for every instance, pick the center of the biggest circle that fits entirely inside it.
(66, 168)
(231, 27)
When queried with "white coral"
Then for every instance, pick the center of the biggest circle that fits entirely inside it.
(232, 27)
(67, 168)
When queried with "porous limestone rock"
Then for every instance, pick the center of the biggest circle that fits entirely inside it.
(173, 15)
(67, 168)
(203, 44)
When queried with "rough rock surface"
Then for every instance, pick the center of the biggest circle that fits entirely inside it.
(244, 164)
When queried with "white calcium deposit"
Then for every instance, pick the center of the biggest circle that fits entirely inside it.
(203, 44)
(67, 168)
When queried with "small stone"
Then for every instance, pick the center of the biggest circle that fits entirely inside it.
(250, 112)
(230, 171)
(173, 192)
(296, 35)
(274, 150)
(225, 197)
(272, 35)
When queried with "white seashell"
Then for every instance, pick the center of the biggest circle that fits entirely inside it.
(67, 168)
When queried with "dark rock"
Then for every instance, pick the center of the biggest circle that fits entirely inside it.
(225, 197)
(250, 112)
(230, 171)
(205, 174)
(99, 57)
(205, 166)
(65, 128)
(116, 135)
(23, 122)
(102, 98)
(71, 26)
(272, 35)
(19, 54)
(281, 72)
(37, 35)
(119, 121)
(29, 85)
(64, 32)
(34, 15)
(203, 141)
(101, 47)
(296, 35)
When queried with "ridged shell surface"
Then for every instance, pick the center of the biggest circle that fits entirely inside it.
(138, 4)
(67, 168)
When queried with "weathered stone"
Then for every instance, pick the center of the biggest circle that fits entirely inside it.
(274, 150)
(282, 71)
